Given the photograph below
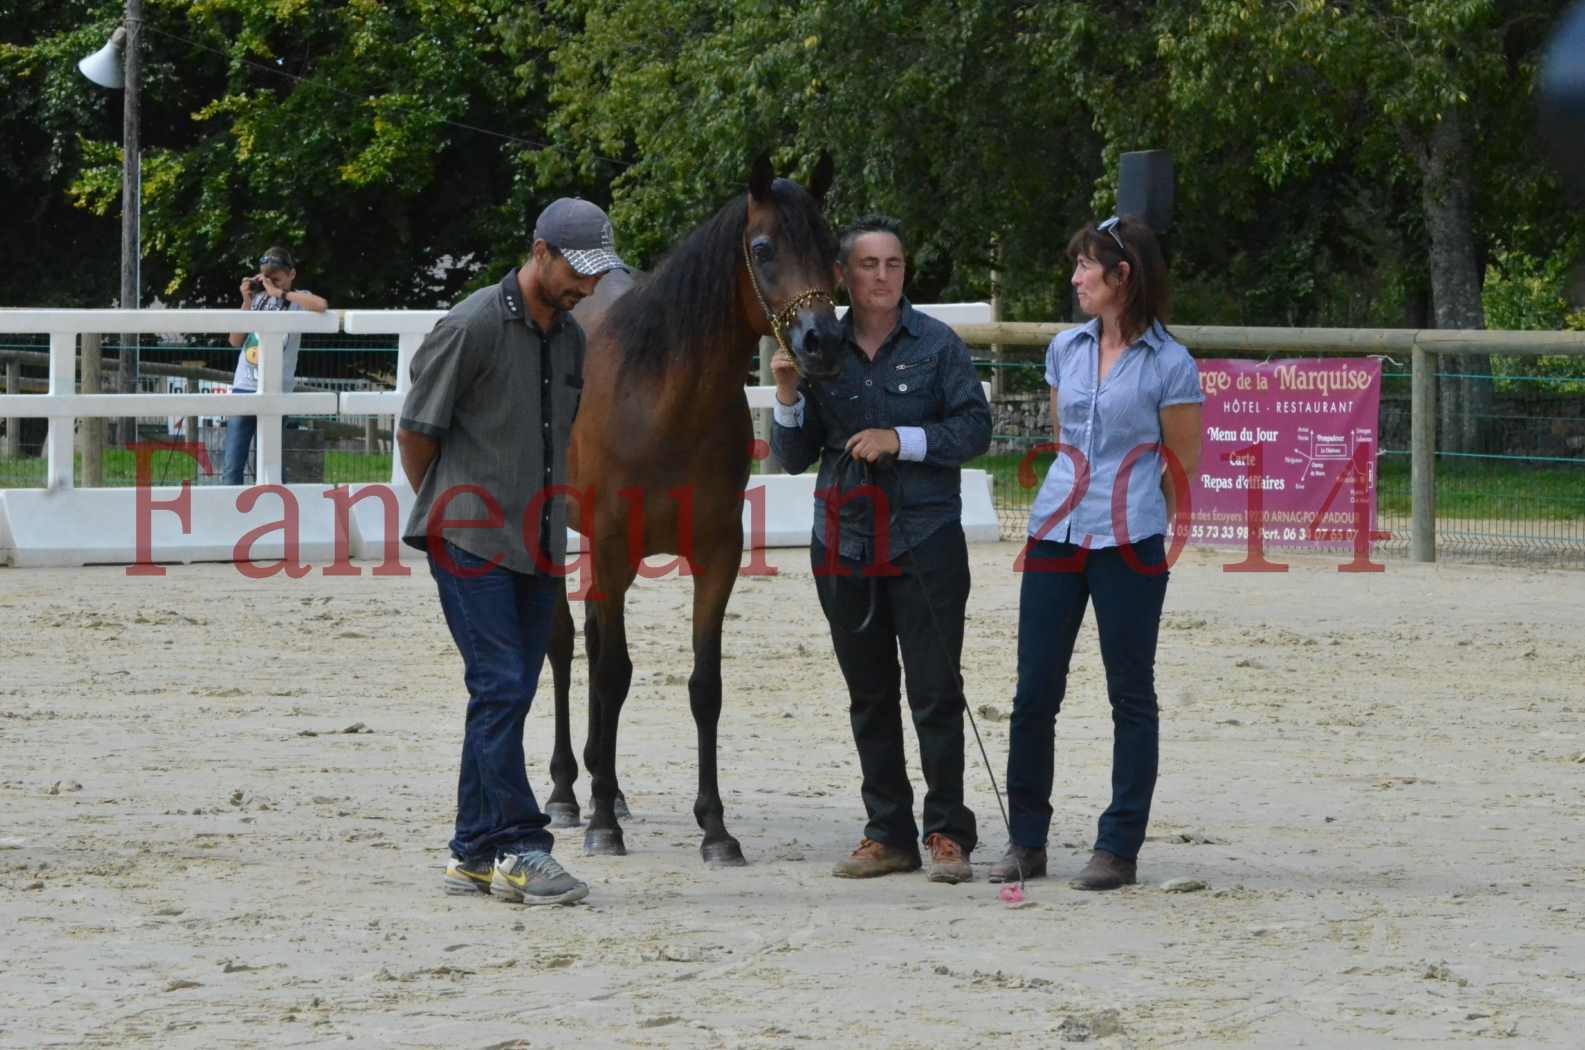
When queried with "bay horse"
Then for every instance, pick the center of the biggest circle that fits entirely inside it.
(659, 458)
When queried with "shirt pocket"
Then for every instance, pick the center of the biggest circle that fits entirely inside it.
(911, 392)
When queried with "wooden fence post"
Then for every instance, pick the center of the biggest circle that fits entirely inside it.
(1422, 456)
(91, 432)
(762, 416)
(998, 353)
(13, 445)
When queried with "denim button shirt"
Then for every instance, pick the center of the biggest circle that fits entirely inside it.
(921, 383)
(1105, 422)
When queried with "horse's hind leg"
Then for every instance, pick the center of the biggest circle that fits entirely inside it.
(610, 675)
(562, 806)
(714, 575)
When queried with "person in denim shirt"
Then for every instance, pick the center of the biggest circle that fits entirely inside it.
(1122, 389)
(907, 403)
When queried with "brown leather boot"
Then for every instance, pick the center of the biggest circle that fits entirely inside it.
(876, 858)
(1019, 861)
(1105, 871)
(948, 862)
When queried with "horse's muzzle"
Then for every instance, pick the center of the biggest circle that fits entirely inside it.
(818, 349)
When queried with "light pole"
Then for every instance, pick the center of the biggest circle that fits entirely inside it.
(100, 67)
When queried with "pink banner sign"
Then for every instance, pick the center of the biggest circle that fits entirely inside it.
(1288, 458)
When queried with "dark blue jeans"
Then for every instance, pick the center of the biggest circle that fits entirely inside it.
(239, 443)
(1128, 617)
(240, 432)
(500, 621)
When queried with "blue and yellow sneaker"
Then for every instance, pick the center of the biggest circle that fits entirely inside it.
(469, 876)
(534, 877)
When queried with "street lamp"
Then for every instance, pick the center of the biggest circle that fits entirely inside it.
(101, 68)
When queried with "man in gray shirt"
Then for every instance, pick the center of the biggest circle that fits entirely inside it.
(483, 440)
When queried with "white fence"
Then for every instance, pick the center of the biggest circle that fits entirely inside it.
(61, 524)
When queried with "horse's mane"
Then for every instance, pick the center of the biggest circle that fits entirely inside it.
(688, 301)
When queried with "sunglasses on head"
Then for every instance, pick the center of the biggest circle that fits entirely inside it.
(1110, 226)
(273, 262)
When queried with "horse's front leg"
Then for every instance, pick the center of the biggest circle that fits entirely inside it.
(713, 580)
(591, 737)
(610, 675)
(562, 806)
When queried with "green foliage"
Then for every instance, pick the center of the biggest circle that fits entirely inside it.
(992, 128)
(333, 126)
(1526, 293)
(931, 114)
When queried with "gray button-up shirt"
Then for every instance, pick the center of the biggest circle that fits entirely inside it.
(499, 396)
(1105, 423)
(922, 384)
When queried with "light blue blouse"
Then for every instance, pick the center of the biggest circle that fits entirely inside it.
(1103, 423)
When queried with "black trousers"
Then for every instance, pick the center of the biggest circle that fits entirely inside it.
(933, 576)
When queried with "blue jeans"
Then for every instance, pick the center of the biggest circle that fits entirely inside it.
(1128, 617)
(239, 442)
(500, 621)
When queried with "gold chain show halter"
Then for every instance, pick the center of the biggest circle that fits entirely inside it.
(781, 320)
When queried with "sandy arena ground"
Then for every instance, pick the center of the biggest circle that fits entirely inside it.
(1378, 778)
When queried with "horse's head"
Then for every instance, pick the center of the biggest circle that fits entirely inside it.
(790, 267)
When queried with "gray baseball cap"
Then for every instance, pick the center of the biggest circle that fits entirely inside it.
(582, 233)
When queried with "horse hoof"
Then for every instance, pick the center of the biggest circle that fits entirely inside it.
(727, 854)
(563, 814)
(604, 842)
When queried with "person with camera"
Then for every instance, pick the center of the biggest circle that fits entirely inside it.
(269, 289)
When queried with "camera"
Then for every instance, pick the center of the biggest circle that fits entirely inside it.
(255, 285)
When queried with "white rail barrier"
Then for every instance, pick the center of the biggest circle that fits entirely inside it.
(60, 524)
(64, 405)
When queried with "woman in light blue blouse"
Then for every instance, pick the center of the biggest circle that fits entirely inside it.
(1121, 388)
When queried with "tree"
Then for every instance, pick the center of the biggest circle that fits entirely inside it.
(934, 112)
(376, 139)
(57, 253)
(1339, 162)
(1405, 89)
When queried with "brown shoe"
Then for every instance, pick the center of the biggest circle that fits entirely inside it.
(876, 858)
(1019, 862)
(1105, 871)
(948, 862)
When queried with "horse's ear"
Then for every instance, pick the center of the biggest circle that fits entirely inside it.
(820, 181)
(760, 177)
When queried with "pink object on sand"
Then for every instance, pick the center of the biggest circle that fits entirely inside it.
(1012, 893)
